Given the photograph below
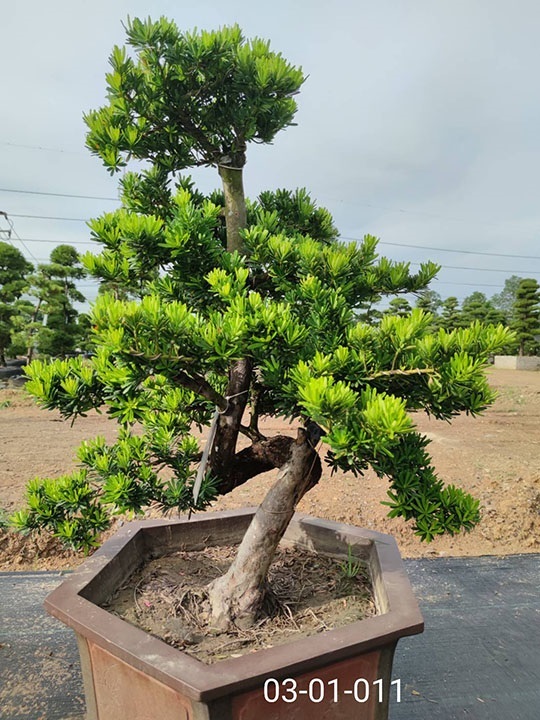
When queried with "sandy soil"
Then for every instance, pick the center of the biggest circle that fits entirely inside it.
(496, 457)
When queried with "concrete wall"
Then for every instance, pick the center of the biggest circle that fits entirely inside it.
(515, 362)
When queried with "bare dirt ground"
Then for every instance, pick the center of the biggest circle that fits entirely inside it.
(496, 457)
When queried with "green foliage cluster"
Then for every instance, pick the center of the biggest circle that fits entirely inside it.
(288, 304)
(188, 99)
(502, 308)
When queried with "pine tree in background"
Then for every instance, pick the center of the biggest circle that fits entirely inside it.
(246, 310)
(450, 317)
(477, 308)
(60, 336)
(14, 269)
(430, 301)
(47, 320)
(398, 306)
(527, 316)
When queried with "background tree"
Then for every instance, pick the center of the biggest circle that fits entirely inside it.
(398, 306)
(505, 300)
(14, 269)
(429, 301)
(47, 319)
(450, 317)
(266, 324)
(477, 308)
(526, 316)
(61, 335)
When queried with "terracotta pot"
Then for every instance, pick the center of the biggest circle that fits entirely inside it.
(336, 675)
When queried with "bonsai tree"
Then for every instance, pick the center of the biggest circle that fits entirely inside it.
(429, 300)
(240, 310)
(527, 316)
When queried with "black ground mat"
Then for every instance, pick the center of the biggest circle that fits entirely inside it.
(478, 659)
(40, 677)
(479, 656)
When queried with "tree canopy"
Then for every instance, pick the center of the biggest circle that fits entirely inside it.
(183, 99)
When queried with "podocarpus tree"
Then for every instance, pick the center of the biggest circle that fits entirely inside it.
(260, 320)
(61, 334)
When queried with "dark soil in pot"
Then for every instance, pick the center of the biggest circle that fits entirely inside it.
(307, 594)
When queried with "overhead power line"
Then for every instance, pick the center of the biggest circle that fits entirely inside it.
(13, 232)
(447, 282)
(507, 271)
(48, 217)
(452, 250)
(344, 237)
(41, 147)
(475, 269)
(56, 242)
(420, 213)
(465, 252)
(53, 194)
(356, 203)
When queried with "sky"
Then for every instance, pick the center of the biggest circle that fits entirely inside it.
(419, 123)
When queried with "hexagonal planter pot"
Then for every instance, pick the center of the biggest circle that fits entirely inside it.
(335, 674)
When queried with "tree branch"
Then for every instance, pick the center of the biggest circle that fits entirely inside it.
(260, 457)
(413, 371)
(200, 386)
(252, 433)
(255, 414)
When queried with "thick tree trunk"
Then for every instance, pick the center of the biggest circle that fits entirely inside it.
(235, 205)
(236, 597)
(223, 452)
